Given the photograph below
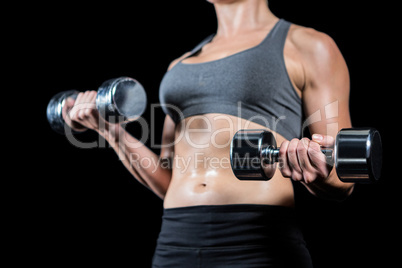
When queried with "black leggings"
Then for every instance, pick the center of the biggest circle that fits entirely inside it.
(244, 236)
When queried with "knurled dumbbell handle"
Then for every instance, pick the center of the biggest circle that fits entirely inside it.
(271, 155)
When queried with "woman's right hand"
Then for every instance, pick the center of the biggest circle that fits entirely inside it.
(81, 114)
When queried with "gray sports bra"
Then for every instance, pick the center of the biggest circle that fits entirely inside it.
(252, 84)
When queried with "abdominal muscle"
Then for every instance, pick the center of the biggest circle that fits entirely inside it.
(202, 174)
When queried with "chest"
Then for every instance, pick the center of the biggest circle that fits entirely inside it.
(223, 47)
(249, 76)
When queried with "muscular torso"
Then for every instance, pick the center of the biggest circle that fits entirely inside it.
(202, 173)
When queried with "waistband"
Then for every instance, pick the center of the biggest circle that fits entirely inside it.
(228, 225)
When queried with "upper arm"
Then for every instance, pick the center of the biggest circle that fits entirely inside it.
(326, 90)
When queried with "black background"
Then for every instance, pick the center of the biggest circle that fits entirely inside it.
(76, 206)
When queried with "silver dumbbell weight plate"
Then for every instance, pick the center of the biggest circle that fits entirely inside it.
(123, 99)
(54, 111)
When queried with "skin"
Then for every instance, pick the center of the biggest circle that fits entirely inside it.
(198, 146)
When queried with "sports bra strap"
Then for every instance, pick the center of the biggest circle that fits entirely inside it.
(198, 48)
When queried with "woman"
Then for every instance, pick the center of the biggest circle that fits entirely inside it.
(257, 71)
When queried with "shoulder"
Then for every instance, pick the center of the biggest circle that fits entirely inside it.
(320, 57)
(313, 44)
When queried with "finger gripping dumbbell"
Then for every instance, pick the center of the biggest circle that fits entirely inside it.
(118, 100)
(357, 155)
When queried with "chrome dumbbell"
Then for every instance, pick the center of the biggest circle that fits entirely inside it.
(357, 155)
(119, 100)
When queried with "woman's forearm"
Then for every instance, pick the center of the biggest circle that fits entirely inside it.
(141, 162)
(330, 188)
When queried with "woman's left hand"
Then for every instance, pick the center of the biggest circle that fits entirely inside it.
(302, 160)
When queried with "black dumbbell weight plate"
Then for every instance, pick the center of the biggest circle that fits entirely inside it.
(358, 155)
(245, 154)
